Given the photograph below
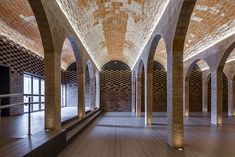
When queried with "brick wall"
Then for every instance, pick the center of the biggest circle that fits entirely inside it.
(115, 90)
(159, 91)
(21, 60)
(195, 91)
(71, 88)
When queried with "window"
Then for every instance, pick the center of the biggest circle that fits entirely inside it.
(63, 97)
(34, 85)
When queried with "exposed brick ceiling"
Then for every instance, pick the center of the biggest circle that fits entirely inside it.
(118, 29)
(18, 23)
(211, 20)
(113, 30)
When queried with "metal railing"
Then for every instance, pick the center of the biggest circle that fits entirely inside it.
(29, 103)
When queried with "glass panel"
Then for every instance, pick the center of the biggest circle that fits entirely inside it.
(62, 95)
(35, 107)
(27, 84)
(42, 87)
(42, 104)
(27, 89)
(35, 91)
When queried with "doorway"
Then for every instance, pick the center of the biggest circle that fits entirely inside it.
(4, 88)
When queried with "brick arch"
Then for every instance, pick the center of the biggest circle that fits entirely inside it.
(192, 65)
(140, 68)
(115, 65)
(175, 76)
(77, 53)
(43, 25)
(193, 89)
(159, 88)
(182, 25)
(153, 47)
(152, 51)
(225, 56)
(89, 85)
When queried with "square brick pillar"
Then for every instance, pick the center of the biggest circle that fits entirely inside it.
(231, 97)
(97, 100)
(93, 96)
(52, 91)
(133, 93)
(186, 97)
(138, 96)
(149, 97)
(216, 97)
(175, 99)
(204, 95)
(81, 95)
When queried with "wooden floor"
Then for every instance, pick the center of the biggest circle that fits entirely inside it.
(123, 135)
(17, 126)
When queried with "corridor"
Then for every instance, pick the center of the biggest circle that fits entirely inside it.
(123, 135)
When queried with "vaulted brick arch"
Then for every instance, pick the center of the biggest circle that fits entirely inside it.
(175, 77)
(89, 86)
(52, 68)
(201, 86)
(43, 25)
(149, 78)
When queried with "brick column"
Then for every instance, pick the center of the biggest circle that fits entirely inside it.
(81, 95)
(52, 91)
(216, 97)
(205, 95)
(149, 97)
(97, 100)
(175, 100)
(133, 93)
(186, 97)
(231, 97)
(92, 93)
(138, 96)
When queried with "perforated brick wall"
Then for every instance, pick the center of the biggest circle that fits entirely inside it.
(195, 91)
(115, 90)
(159, 91)
(21, 60)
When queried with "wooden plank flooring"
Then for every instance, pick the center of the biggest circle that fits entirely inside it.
(123, 135)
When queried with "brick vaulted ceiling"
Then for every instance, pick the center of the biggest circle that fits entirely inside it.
(18, 23)
(118, 29)
(113, 29)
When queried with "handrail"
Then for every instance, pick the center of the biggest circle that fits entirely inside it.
(19, 94)
(10, 95)
(18, 104)
(29, 96)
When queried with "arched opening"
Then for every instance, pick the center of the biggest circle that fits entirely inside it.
(24, 37)
(229, 84)
(156, 78)
(89, 87)
(197, 88)
(115, 87)
(140, 89)
(159, 88)
(159, 77)
(69, 82)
